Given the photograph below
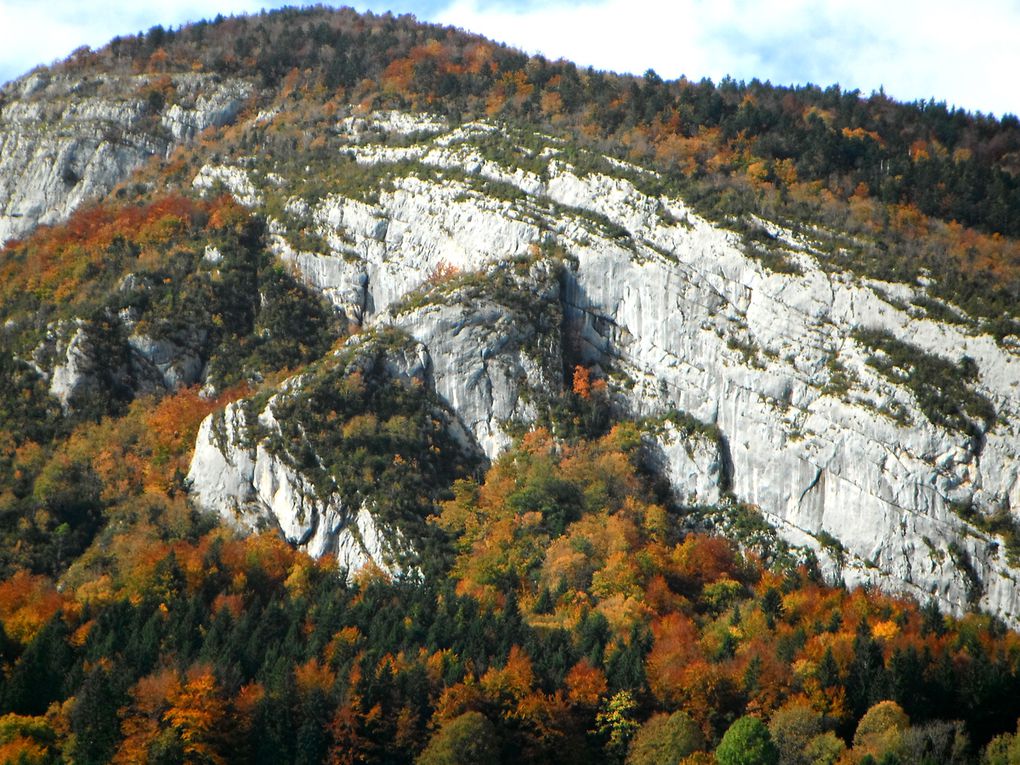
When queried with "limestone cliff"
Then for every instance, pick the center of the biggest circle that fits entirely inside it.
(809, 374)
(858, 423)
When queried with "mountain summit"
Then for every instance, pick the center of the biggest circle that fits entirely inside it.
(498, 343)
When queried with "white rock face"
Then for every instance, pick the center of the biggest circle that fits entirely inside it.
(65, 140)
(74, 372)
(253, 489)
(80, 364)
(242, 470)
(685, 320)
(166, 361)
(233, 179)
(709, 331)
(364, 127)
(487, 359)
(693, 464)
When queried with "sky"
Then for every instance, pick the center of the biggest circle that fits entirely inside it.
(963, 53)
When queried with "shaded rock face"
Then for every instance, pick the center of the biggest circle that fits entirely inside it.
(64, 140)
(692, 462)
(163, 363)
(85, 363)
(490, 360)
(255, 489)
(685, 318)
(75, 373)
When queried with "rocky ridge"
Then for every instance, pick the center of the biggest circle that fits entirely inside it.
(277, 462)
(831, 443)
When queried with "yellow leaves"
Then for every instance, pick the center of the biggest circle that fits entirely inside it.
(479, 57)
(962, 154)
(457, 699)
(566, 564)
(361, 426)
(720, 594)
(25, 740)
(313, 677)
(513, 681)
(192, 707)
(623, 612)
(552, 103)
(757, 171)
(885, 630)
(97, 592)
(861, 134)
(825, 115)
(512, 87)
(619, 576)
(197, 713)
(81, 634)
(785, 171)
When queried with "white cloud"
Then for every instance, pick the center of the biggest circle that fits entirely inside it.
(42, 31)
(965, 54)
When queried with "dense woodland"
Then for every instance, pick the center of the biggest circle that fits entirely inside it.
(566, 609)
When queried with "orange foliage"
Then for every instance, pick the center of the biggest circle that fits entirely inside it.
(513, 681)
(313, 676)
(860, 134)
(675, 647)
(24, 751)
(582, 382)
(140, 719)
(57, 261)
(171, 428)
(586, 685)
(27, 602)
(266, 552)
(198, 712)
(706, 558)
(442, 272)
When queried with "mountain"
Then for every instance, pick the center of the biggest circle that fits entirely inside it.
(497, 341)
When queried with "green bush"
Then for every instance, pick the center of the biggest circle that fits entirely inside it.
(747, 742)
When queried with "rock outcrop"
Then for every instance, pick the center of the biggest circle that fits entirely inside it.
(66, 140)
(494, 344)
(278, 464)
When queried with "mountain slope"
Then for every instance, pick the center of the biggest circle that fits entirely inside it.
(492, 346)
